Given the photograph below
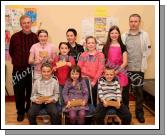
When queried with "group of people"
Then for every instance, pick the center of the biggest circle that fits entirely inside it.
(112, 72)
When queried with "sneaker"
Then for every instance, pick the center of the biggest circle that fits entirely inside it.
(20, 117)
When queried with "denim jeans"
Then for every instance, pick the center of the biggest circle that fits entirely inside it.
(50, 108)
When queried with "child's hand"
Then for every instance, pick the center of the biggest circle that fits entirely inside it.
(119, 104)
(68, 64)
(84, 102)
(93, 84)
(50, 100)
(68, 104)
(105, 103)
(38, 61)
(54, 68)
(37, 101)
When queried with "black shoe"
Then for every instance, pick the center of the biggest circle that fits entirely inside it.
(140, 118)
(20, 118)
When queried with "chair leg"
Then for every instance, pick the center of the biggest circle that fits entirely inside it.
(63, 119)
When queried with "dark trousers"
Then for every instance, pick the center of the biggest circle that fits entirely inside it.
(136, 85)
(50, 108)
(22, 85)
(122, 112)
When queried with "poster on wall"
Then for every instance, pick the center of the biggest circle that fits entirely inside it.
(32, 13)
(12, 25)
(110, 21)
(87, 29)
(98, 27)
(100, 31)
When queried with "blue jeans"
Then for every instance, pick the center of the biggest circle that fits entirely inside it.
(50, 108)
(122, 112)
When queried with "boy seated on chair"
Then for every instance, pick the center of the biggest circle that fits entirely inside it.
(45, 94)
(109, 94)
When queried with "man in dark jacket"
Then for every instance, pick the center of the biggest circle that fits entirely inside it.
(19, 48)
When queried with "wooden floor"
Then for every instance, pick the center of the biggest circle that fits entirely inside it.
(10, 115)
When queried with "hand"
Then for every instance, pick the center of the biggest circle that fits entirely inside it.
(119, 104)
(68, 64)
(37, 101)
(50, 100)
(54, 68)
(68, 104)
(105, 103)
(38, 61)
(92, 84)
(84, 102)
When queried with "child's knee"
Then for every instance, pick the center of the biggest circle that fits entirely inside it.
(81, 113)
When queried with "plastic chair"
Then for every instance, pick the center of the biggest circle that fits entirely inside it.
(90, 113)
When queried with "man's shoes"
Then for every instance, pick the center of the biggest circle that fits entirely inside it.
(20, 117)
(140, 118)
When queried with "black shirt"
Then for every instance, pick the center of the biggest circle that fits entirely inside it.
(76, 51)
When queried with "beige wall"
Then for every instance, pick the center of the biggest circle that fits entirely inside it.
(57, 19)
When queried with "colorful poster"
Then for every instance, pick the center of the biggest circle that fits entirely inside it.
(32, 13)
(87, 29)
(100, 31)
(101, 11)
(12, 25)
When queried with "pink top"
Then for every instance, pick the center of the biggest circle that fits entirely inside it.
(39, 52)
(92, 65)
(115, 59)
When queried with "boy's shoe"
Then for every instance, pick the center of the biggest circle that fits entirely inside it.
(20, 117)
(140, 118)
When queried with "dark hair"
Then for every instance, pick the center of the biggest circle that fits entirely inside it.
(91, 37)
(109, 40)
(74, 68)
(65, 43)
(107, 67)
(42, 31)
(135, 15)
(73, 31)
(46, 64)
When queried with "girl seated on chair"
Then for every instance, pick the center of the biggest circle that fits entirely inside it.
(75, 90)
(110, 97)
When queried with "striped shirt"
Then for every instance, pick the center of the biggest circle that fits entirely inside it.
(19, 49)
(43, 87)
(109, 90)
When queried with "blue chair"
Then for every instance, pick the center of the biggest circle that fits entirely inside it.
(90, 113)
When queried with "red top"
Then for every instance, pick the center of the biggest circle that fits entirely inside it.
(62, 72)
